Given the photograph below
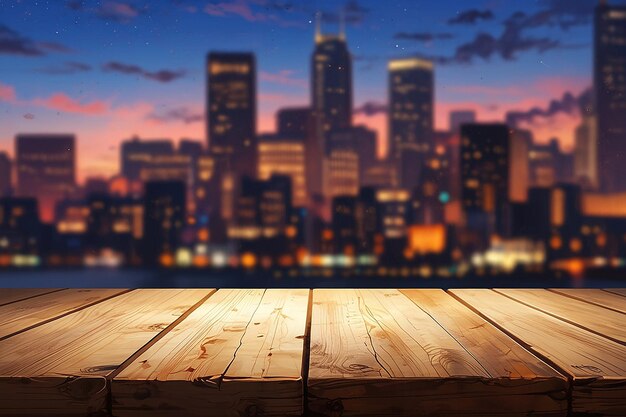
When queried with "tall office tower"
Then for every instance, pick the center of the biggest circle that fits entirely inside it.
(331, 79)
(586, 153)
(411, 95)
(519, 170)
(548, 165)
(485, 176)
(459, 118)
(137, 154)
(284, 155)
(5, 174)
(344, 224)
(610, 94)
(341, 173)
(46, 169)
(433, 192)
(163, 221)
(295, 121)
(20, 230)
(263, 208)
(299, 123)
(231, 108)
(358, 139)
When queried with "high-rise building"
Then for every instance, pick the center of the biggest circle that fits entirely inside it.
(137, 154)
(360, 140)
(6, 176)
(610, 94)
(20, 231)
(46, 169)
(341, 172)
(459, 118)
(295, 121)
(586, 153)
(411, 95)
(231, 108)
(331, 78)
(548, 165)
(163, 221)
(519, 169)
(284, 155)
(485, 176)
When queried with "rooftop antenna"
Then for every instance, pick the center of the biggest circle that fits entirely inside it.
(342, 24)
(318, 27)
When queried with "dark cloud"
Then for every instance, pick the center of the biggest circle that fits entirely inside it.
(121, 11)
(13, 43)
(69, 67)
(568, 104)
(509, 44)
(470, 17)
(179, 114)
(371, 108)
(423, 36)
(163, 76)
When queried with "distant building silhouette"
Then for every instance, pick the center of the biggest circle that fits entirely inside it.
(411, 103)
(46, 169)
(610, 94)
(284, 155)
(163, 221)
(6, 174)
(461, 117)
(137, 154)
(485, 176)
(231, 108)
(331, 78)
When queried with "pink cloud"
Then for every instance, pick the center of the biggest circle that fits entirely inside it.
(283, 77)
(62, 102)
(7, 92)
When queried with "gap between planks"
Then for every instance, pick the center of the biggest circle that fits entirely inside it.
(58, 316)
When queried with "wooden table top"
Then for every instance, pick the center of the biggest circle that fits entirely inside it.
(326, 352)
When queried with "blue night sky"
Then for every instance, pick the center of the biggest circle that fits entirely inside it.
(109, 69)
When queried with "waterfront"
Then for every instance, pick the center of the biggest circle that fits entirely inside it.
(136, 278)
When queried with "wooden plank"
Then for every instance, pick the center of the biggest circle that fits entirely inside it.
(596, 365)
(375, 353)
(60, 368)
(522, 384)
(25, 314)
(238, 354)
(598, 297)
(11, 295)
(618, 291)
(601, 321)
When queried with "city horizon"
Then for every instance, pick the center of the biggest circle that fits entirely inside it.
(545, 98)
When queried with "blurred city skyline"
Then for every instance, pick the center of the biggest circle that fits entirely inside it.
(106, 71)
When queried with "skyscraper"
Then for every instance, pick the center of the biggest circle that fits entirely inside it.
(5, 174)
(138, 154)
(46, 169)
(484, 171)
(284, 155)
(411, 95)
(231, 108)
(610, 94)
(460, 117)
(163, 220)
(331, 78)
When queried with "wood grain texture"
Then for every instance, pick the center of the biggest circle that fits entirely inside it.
(11, 295)
(60, 368)
(597, 297)
(596, 365)
(522, 383)
(240, 353)
(602, 321)
(31, 312)
(376, 353)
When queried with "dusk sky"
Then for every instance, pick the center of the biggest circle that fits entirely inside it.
(107, 70)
